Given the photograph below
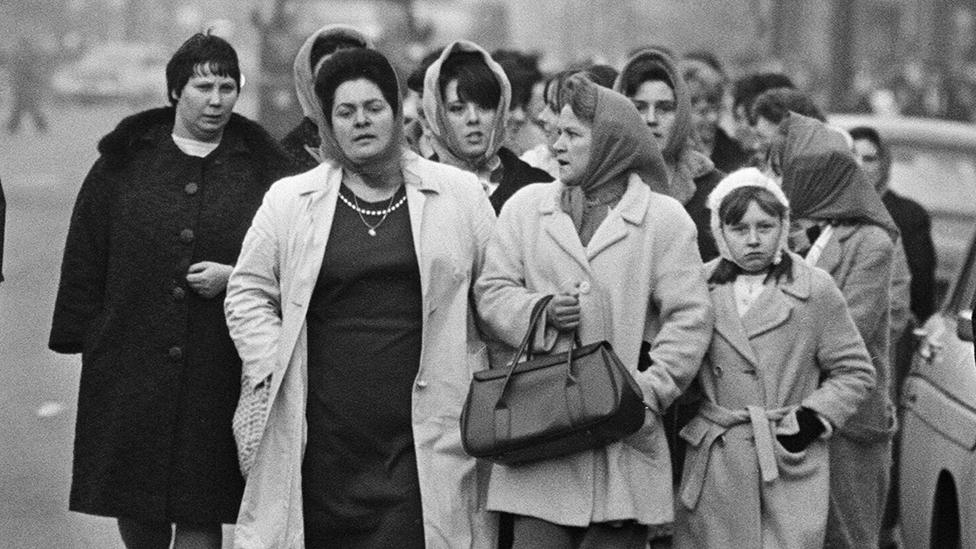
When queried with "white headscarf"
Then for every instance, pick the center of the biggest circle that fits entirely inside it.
(746, 177)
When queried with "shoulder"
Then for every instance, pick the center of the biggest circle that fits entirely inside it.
(266, 151)
(867, 238)
(448, 180)
(134, 132)
(520, 170)
(289, 189)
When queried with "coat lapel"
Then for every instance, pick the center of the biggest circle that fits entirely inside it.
(729, 325)
(630, 211)
(830, 256)
(770, 310)
(418, 188)
(560, 228)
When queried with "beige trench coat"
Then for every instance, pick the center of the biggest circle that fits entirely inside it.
(639, 279)
(267, 297)
(740, 487)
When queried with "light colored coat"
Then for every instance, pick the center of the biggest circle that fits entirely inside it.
(639, 279)
(740, 487)
(267, 298)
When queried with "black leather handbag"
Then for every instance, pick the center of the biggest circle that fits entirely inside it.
(550, 406)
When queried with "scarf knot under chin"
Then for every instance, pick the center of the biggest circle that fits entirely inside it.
(588, 208)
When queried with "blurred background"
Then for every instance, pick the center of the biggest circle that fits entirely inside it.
(99, 60)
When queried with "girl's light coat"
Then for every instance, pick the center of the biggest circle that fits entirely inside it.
(740, 487)
(639, 279)
(267, 298)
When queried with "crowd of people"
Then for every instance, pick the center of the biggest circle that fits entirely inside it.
(281, 335)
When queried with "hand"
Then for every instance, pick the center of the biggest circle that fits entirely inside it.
(810, 428)
(207, 278)
(563, 312)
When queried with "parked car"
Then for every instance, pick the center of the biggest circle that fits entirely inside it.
(937, 473)
(132, 72)
(934, 163)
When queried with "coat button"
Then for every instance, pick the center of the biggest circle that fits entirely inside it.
(421, 383)
(175, 353)
(584, 287)
(179, 294)
(191, 189)
(186, 236)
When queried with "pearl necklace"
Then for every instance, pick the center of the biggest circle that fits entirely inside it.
(390, 208)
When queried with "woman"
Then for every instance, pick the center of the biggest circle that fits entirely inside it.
(842, 227)
(756, 473)
(155, 231)
(622, 262)
(652, 81)
(349, 291)
(466, 99)
(302, 142)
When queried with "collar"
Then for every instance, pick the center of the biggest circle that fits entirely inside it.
(632, 206)
(328, 175)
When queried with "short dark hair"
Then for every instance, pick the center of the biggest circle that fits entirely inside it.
(476, 81)
(415, 81)
(746, 89)
(642, 72)
(869, 134)
(601, 75)
(202, 50)
(732, 210)
(774, 105)
(355, 64)
(523, 72)
(329, 44)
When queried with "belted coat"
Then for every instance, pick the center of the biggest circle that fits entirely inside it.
(267, 299)
(740, 487)
(639, 279)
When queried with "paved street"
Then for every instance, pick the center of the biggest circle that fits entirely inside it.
(41, 175)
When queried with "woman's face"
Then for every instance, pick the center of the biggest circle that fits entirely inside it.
(753, 241)
(656, 104)
(471, 124)
(572, 147)
(362, 120)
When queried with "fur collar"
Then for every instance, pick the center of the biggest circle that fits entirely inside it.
(149, 127)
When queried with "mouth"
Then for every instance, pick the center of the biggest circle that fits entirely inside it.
(363, 138)
(474, 137)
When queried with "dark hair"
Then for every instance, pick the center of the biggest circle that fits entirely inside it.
(522, 71)
(643, 71)
(200, 51)
(415, 81)
(580, 93)
(476, 82)
(601, 75)
(329, 44)
(774, 105)
(355, 64)
(731, 211)
(869, 134)
(746, 89)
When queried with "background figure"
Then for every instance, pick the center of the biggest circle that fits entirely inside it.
(841, 226)
(28, 82)
(351, 308)
(594, 239)
(523, 74)
(706, 89)
(416, 128)
(302, 142)
(466, 99)
(156, 227)
(772, 106)
(745, 90)
(786, 359)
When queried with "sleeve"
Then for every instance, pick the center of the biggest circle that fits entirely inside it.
(842, 356)
(81, 290)
(920, 252)
(685, 316)
(901, 280)
(867, 287)
(504, 302)
(253, 302)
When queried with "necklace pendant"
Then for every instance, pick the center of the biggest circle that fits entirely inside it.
(372, 232)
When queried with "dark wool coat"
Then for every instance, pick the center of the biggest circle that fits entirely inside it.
(727, 154)
(915, 227)
(515, 175)
(701, 215)
(302, 135)
(160, 375)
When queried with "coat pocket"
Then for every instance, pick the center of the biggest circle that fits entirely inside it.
(250, 419)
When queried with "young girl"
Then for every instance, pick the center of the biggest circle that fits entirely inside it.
(756, 473)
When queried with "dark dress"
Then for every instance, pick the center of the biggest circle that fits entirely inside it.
(359, 475)
(160, 376)
(515, 175)
(727, 154)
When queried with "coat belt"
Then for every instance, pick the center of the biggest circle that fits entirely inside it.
(718, 421)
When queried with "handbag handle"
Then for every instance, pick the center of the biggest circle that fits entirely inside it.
(537, 310)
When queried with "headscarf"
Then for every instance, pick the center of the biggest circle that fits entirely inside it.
(444, 141)
(746, 177)
(352, 64)
(305, 76)
(621, 144)
(683, 162)
(822, 179)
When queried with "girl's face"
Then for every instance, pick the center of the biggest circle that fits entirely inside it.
(572, 148)
(472, 125)
(753, 241)
(362, 120)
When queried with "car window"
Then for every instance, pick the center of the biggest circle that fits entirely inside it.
(917, 172)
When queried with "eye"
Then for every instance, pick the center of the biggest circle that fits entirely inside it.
(343, 112)
(665, 106)
(455, 108)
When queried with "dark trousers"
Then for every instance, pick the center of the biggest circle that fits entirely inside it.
(533, 533)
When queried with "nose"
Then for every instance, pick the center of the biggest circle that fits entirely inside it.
(650, 117)
(215, 97)
(753, 239)
(473, 114)
(360, 118)
(559, 145)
